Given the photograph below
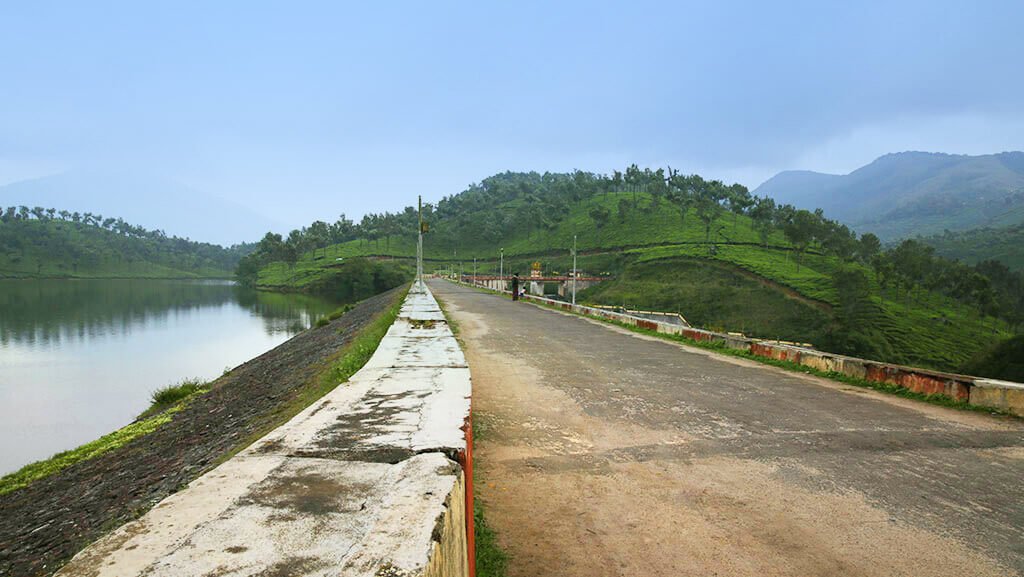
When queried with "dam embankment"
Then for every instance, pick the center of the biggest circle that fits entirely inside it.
(46, 523)
(373, 479)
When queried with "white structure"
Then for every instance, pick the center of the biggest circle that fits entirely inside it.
(364, 482)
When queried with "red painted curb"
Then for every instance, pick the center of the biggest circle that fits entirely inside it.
(466, 460)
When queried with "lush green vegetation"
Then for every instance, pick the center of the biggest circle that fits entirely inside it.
(350, 280)
(837, 307)
(491, 559)
(335, 371)
(1005, 245)
(710, 251)
(170, 395)
(1003, 361)
(166, 401)
(37, 242)
(56, 463)
(714, 295)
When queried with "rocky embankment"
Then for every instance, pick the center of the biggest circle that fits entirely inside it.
(45, 524)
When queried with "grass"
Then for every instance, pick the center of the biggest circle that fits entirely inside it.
(713, 295)
(337, 313)
(359, 351)
(972, 246)
(166, 397)
(491, 559)
(60, 461)
(166, 401)
(335, 371)
(928, 329)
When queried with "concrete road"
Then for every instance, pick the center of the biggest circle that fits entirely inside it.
(604, 452)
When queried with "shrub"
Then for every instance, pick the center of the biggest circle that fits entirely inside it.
(166, 397)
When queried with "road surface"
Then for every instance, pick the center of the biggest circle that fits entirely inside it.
(604, 452)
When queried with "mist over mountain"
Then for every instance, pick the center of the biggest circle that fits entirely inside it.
(912, 193)
(149, 201)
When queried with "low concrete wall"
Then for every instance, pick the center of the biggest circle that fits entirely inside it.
(367, 481)
(1002, 394)
(978, 391)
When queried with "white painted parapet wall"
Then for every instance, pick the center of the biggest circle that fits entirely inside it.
(364, 482)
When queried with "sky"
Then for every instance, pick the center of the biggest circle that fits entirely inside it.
(303, 110)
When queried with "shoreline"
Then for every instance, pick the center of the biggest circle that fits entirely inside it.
(47, 521)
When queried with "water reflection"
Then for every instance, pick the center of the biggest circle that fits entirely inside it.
(78, 358)
(54, 311)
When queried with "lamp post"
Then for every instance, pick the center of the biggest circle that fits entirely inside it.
(501, 267)
(574, 269)
(419, 245)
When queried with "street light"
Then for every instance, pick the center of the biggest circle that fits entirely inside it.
(419, 245)
(574, 269)
(501, 268)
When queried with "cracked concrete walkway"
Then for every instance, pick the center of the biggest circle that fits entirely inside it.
(604, 452)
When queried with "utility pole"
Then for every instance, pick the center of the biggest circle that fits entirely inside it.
(574, 269)
(419, 245)
(501, 267)
(474, 270)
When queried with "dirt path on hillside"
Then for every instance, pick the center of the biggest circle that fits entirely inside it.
(45, 524)
(591, 462)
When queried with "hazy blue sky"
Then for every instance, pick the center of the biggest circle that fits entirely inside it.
(304, 110)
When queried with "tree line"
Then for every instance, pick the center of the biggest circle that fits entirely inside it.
(71, 241)
(511, 203)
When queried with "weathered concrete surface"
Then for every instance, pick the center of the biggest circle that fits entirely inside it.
(652, 458)
(998, 394)
(362, 482)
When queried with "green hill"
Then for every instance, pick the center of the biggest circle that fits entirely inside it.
(42, 243)
(1005, 245)
(1003, 361)
(746, 265)
(349, 281)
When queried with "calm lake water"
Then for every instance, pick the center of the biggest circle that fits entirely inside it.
(79, 358)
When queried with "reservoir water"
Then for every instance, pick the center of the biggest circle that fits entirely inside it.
(79, 358)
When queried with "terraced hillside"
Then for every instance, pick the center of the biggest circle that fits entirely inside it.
(729, 273)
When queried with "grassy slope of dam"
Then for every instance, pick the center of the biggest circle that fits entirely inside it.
(660, 260)
(47, 521)
(347, 280)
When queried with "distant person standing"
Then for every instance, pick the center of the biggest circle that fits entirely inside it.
(515, 286)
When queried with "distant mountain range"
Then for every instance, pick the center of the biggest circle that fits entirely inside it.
(146, 200)
(912, 193)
